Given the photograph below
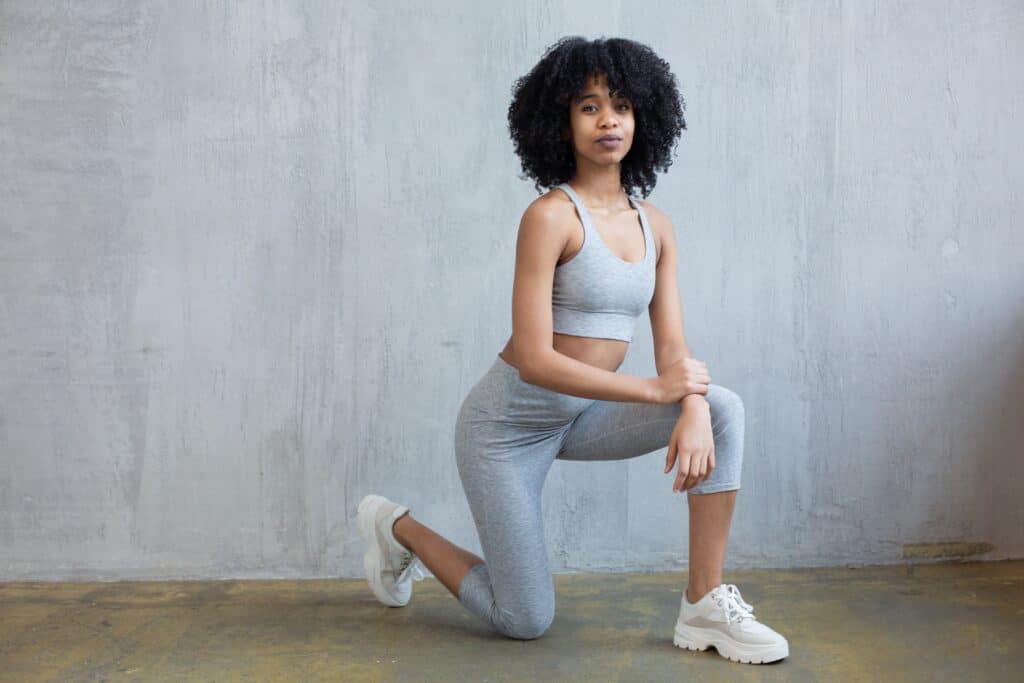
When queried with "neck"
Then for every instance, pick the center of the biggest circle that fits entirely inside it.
(600, 186)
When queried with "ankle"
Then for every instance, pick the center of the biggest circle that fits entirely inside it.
(695, 592)
(399, 527)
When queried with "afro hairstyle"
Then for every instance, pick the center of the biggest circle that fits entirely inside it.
(539, 112)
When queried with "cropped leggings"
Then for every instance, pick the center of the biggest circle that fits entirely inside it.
(508, 433)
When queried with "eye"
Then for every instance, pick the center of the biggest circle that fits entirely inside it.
(589, 107)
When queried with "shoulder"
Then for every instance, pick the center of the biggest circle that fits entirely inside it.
(548, 213)
(553, 204)
(658, 219)
(661, 226)
(544, 229)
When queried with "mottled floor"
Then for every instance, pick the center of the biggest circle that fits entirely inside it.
(952, 622)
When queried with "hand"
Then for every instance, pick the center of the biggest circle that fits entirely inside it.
(687, 376)
(692, 443)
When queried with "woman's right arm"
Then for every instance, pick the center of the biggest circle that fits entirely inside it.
(539, 243)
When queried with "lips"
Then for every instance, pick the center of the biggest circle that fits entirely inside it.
(608, 138)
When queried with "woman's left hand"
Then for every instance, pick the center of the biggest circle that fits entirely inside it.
(692, 443)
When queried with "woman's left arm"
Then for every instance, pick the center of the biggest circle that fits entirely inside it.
(665, 309)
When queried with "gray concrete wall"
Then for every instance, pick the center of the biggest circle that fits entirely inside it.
(252, 256)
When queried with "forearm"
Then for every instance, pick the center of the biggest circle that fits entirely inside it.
(663, 358)
(564, 374)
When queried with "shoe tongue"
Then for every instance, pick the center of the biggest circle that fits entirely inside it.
(732, 608)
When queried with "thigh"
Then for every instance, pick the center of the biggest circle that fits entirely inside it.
(614, 430)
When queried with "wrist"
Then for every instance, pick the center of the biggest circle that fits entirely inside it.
(693, 400)
(654, 394)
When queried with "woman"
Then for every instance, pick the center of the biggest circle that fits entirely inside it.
(593, 120)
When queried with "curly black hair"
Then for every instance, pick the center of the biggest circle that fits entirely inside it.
(539, 111)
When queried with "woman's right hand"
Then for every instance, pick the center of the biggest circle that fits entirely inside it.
(686, 376)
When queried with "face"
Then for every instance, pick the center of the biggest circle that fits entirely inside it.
(596, 114)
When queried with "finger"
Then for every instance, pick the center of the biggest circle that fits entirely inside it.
(709, 464)
(681, 474)
(670, 457)
(684, 471)
(694, 469)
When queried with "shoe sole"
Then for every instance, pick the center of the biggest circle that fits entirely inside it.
(372, 560)
(690, 638)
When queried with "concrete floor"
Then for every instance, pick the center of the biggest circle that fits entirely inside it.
(951, 622)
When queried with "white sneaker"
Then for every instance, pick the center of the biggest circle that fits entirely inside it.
(390, 567)
(722, 619)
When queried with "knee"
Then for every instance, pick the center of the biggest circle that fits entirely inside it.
(530, 624)
(726, 404)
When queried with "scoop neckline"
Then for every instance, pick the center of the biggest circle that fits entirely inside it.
(597, 234)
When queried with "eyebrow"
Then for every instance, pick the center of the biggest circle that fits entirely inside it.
(594, 94)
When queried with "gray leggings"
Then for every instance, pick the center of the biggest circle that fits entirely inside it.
(508, 433)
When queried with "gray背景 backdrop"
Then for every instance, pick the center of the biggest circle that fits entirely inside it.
(253, 255)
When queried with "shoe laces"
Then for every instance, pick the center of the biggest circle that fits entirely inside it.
(410, 566)
(732, 603)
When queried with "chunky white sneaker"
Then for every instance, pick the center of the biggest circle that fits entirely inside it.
(390, 567)
(722, 619)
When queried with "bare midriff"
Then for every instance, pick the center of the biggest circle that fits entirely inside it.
(606, 354)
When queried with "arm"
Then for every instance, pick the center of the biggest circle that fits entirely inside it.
(540, 241)
(665, 309)
(566, 375)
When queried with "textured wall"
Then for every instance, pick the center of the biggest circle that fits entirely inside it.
(254, 255)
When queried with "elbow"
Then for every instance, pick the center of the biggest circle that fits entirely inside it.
(531, 367)
(526, 373)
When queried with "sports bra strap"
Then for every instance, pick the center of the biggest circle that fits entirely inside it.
(588, 224)
(643, 216)
(580, 209)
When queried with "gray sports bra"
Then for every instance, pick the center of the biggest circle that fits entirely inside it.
(596, 293)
